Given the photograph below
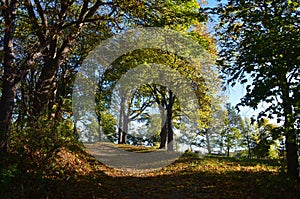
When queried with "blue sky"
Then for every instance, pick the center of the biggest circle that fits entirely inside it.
(214, 2)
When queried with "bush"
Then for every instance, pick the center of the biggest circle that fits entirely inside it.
(38, 143)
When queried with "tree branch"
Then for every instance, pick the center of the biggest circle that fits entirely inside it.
(42, 14)
(34, 20)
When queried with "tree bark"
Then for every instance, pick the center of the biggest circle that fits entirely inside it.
(169, 121)
(163, 132)
(292, 157)
(6, 110)
(228, 148)
(125, 128)
(99, 129)
(121, 120)
(44, 87)
(289, 130)
(290, 141)
(56, 50)
(208, 142)
(11, 76)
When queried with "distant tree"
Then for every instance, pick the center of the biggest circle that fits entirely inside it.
(248, 130)
(182, 16)
(108, 127)
(164, 97)
(153, 128)
(50, 35)
(216, 123)
(214, 130)
(263, 138)
(231, 133)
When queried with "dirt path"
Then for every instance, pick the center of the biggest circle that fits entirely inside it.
(131, 162)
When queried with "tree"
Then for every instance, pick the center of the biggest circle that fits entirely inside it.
(109, 126)
(217, 102)
(215, 128)
(163, 96)
(248, 130)
(131, 107)
(263, 138)
(56, 28)
(259, 43)
(165, 99)
(46, 33)
(231, 133)
(53, 34)
(9, 81)
(179, 15)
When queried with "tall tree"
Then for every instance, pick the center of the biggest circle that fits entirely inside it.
(163, 96)
(177, 15)
(46, 33)
(49, 32)
(215, 128)
(248, 130)
(56, 27)
(231, 133)
(9, 78)
(259, 40)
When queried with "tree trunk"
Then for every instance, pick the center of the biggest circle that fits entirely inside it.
(208, 142)
(228, 151)
(44, 88)
(120, 130)
(163, 132)
(163, 137)
(125, 128)
(6, 110)
(11, 76)
(170, 138)
(170, 129)
(290, 143)
(169, 121)
(292, 158)
(290, 132)
(99, 129)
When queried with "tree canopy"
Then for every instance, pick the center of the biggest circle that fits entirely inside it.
(160, 89)
(259, 45)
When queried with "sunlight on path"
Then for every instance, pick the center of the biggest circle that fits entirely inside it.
(131, 162)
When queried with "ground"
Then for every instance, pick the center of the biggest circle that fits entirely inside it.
(80, 175)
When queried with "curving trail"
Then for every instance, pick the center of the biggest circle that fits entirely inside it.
(132, 162)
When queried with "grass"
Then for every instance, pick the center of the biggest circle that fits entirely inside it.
(137, 149)
(79, 175)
